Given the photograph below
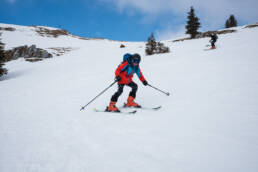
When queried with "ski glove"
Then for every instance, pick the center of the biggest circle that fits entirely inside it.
(118, 78)
(145, 82)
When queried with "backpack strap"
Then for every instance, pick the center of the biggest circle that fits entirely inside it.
(125, 67)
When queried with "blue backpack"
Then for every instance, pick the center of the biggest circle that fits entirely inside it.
(127, 57)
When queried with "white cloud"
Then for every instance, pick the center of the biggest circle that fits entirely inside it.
(212, 13)
(170, 33)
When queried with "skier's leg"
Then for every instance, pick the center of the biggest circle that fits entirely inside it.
(132, 95)
(114, 98)
(134, 87)
(213, 44)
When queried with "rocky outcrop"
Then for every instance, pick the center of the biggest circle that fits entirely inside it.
(207, 34)
(59, 51)
(7, 28)
(252, 25)
(42, 31)
(29, 53)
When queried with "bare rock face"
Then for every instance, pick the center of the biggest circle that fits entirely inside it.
(7, 29)
(42, 31)
(28, 53)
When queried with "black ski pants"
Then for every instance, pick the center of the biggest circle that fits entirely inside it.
(134, 87)
(213, 43)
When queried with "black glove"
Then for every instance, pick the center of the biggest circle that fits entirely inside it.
(145, 82)
(118, 78)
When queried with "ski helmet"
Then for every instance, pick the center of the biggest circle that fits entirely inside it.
(136, 58)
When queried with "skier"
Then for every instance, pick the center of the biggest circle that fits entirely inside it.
(214, 38)
(123, 75)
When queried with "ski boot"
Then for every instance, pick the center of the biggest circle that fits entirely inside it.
(131, 103)
(213, 47)
(112, 107)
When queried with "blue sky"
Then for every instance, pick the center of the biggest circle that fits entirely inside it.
(128, 20)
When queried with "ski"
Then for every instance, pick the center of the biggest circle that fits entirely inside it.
(143, 107)
(208, 49)
(122, 112)
(151, 108)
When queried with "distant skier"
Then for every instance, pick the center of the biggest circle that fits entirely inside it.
(214, 38)
(124, 74)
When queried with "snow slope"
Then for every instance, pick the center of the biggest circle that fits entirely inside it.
(208, 124)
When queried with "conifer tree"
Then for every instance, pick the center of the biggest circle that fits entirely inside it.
(231, 22)
(153, 47)
(193, 24)
(161, 48)
(227, 24)
(150, 45)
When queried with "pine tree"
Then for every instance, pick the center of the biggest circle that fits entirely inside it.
(193, 24)
(161, 48)
(153, 47)
(2, 59)
(231, 22)
(227, 24)
(150, 45)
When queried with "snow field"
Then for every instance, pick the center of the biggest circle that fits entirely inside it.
(209, 123)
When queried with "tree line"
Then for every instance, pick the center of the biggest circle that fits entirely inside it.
(193, 23)
(192, 26)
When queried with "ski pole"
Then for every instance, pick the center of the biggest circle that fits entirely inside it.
(159, 90)
(98, 95)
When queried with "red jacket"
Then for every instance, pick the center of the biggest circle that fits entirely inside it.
(126, 71)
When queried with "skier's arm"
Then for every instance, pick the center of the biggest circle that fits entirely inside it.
(140, 75)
